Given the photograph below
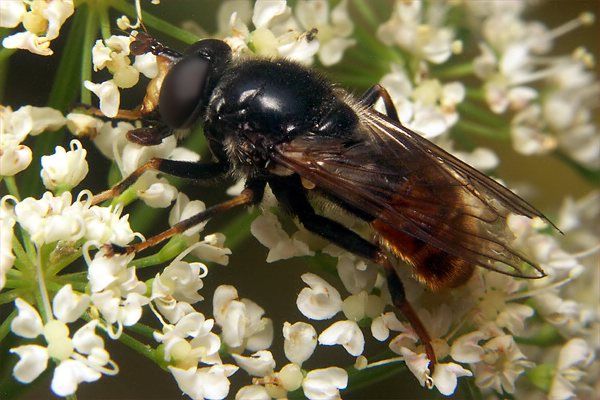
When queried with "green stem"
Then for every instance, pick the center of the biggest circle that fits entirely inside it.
(358, 379)
(482, 130)
(482, 115)
(142, 330)
(366, 12)
(41, 295)
(72, 397)
(5, 326)
(11, 186)
(237, 230)
(590, 175)
(104, 21)
(140, 348)
(172, 249)
(22, 256)
(454, 71)
(75, 276)
(126, 198)
(8, 296)
(89, 36)
(156, 23)
(547, 336)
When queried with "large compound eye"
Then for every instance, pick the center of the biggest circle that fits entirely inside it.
(182, 92)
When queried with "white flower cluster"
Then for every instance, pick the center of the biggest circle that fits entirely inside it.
(515, 66)
(495, 331)
(42, 20)
(80, 357)
(420, 30)
(312, 28)
(15, 126)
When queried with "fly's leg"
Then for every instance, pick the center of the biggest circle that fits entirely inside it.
(290, 194)
(181, 169)
(252, 194)
(149, 136)
(376, 92)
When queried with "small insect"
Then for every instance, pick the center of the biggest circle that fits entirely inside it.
(275, 122)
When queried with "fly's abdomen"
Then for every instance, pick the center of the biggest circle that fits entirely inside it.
(431, 265)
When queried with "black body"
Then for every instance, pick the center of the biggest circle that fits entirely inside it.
(279, 123)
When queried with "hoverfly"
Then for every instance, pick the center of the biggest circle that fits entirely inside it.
(275, 122)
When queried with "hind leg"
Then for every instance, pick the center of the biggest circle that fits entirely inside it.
(290, 194)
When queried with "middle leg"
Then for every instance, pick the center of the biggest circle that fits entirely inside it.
(181, 169)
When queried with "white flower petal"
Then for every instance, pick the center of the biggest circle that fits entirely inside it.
(324, 384)
(575, 352)
(445, 377)
(266, 10)
(14, 159)
(158, 195)
(146, 64)
(69, 374)
(320, 300)
(28, 41)
(346, 333)
(259, 364)
(300, 341)
(68, 306)
(11, 13)
(85, 339)
(33, 361)
(65, 169)
(28, 322)
(109, 96)
(418, 364)
(252, 392)
(466, 349)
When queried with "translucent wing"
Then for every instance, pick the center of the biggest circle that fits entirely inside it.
(410, 185)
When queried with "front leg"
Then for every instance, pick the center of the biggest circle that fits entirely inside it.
(182, 169)
(290, 194)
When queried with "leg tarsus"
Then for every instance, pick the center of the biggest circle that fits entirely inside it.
(396, 289)
(376, 92)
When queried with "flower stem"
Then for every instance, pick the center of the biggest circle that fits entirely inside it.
(482, 130)
(482, 115)
(156, 23)
(91, 28)
(22, 256)
(454, 71)
(104, 21)
(140, 348)
(5, 326)
(142, 330)
(41, 295)
(11, 186)
(590, 175)
(366, 12)
(8, 296)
